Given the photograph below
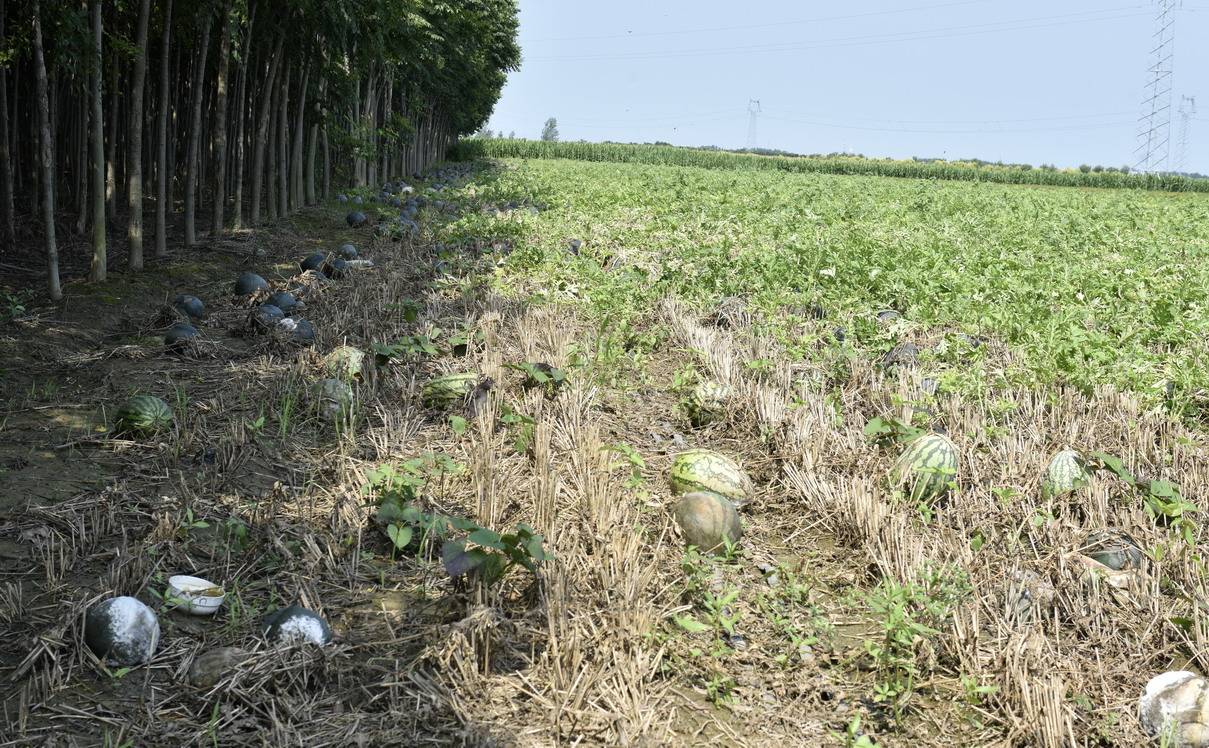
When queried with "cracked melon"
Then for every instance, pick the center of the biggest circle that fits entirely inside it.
(706, 470)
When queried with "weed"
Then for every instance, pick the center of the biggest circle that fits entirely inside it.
(909, 615)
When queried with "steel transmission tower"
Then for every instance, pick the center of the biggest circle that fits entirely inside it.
(1154, 126)
(1187, 112)
(753, 111)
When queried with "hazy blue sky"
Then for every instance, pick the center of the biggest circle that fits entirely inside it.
(1027, 80)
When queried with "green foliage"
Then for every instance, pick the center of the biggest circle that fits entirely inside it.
(490, 555)
(909, 615)
(1161, 499)
(632, 459)
(1086, 288)
(547, 377)
(886, 431)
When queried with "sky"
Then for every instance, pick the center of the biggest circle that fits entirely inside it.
(1031, 81)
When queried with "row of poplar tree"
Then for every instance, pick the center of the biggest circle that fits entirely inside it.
(115, 114)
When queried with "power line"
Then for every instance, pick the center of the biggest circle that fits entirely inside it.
(970, 131)
(778, 24)
(868, 39)
(992, 121)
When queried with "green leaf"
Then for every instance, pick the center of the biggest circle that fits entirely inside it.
(1114, 465)
(400, 536)
(458, 424)
(489, 538)
(691, 625)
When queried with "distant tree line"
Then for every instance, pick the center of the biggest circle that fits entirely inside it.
(111, 110)
(715, 158)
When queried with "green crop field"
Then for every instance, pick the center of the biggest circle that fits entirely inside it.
(1084, 287)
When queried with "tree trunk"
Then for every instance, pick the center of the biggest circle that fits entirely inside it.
(99, 259)
(220, 124)
(283, 145)
(134, 147)
(327, 166)
(111, 142)
(83, 174)
(161, 171)
(48, 161)
(296, 194)
(6, 162)
(242, 109)
(358, 159)
(262, 130)
(312, 148)
(273, 164)
(386, 101)
(199, 75)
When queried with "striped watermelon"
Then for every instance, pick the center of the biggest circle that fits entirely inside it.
(708, 520)
(707, 403)
(926, 467)
(706, 470)
(143, 415)
(1067, 472)
(449, 390)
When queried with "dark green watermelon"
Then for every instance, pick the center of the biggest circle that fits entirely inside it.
(190, 306)
(1116, 550)
(356, 219)
(249, 283)
(142, 415)
(181, 336)
(336, 268)
(348, 252)
(301, 331)
(267, 316)
(313, 262)
(285, 301)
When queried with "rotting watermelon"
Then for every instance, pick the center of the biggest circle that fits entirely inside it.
(345, 363)
(707, 470)
(449, 390)
(333, 398)
(708, 520)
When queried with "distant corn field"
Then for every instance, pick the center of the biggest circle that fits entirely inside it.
(950, 170)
